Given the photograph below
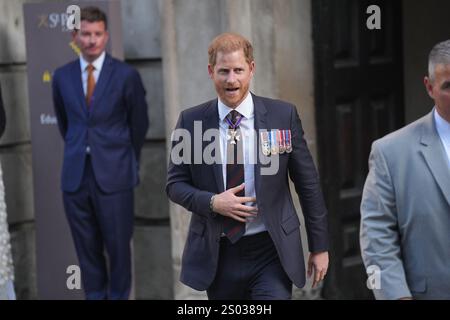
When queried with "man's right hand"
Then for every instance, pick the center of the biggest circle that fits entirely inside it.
(230, 205)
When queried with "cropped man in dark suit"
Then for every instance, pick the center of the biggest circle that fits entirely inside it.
(102, 116)
(244, 238)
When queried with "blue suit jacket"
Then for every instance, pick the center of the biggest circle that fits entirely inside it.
(192, 185)
(114, 128)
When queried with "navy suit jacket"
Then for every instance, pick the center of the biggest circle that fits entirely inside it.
(114, 128)
(192, 185)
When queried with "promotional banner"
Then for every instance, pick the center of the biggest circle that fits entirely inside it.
(48, 29)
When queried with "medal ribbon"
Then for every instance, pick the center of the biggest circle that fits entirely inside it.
(234, 125)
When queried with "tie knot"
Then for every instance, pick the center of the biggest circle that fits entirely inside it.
(234, 115)
(90, 67)
(234, 119)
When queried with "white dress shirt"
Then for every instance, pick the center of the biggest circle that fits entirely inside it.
(246, 109)
(443, 129)
(98, 64)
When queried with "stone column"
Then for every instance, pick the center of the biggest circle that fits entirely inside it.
(188, 26)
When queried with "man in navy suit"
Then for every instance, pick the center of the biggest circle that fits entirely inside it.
(102, 116)
(244, 239)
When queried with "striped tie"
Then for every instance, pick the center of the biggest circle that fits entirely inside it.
(234, 229)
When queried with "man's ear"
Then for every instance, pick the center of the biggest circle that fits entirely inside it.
(74, 34)
(252, 68)
(428, 86)
(210, 71)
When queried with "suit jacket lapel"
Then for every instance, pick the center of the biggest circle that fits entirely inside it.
(260, 124)
(212, 122)
(434, 153)
(102, 82)
(76, 80)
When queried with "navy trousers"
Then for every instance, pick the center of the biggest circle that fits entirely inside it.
(100, 221)
(250, 270)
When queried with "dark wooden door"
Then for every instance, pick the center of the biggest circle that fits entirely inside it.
(359, 98)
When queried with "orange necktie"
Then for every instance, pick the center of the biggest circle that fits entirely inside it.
(90, 83)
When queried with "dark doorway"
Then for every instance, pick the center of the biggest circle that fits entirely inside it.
(359, 98)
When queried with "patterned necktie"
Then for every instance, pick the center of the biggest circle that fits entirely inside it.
(90, 84)
(234, 229)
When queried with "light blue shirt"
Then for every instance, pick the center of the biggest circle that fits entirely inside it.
(443, 129)
(98, 64)
(246, 108)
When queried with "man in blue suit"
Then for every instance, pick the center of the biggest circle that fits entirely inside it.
(102, 116)
(244, 239)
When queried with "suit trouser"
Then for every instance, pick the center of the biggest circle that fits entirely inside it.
(100, 220)
(250, 269)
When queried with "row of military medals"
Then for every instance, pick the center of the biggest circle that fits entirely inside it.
(276, 142)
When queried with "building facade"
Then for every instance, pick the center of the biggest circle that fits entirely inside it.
(301, 46)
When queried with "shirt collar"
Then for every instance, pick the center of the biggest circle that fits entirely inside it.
(245, 108)
(98, 63)
(442, 126)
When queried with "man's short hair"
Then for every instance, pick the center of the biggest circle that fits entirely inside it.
(94, 14)
(440, 54)
(229, 42)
